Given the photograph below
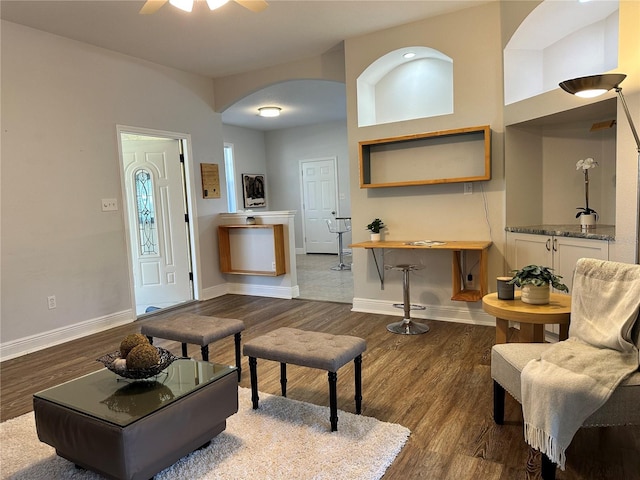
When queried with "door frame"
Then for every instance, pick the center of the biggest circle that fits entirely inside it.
(301, 180)
(190, 189)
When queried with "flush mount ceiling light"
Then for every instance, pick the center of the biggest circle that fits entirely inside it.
(269, 111)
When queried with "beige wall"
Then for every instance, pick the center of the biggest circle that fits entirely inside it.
(440, 212)
(61, 102)
(626, 177)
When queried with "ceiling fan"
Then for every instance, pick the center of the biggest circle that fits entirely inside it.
(152, 6)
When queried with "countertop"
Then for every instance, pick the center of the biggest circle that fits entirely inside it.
(600, 232)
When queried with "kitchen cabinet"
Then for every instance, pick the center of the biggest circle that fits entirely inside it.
(557, 252)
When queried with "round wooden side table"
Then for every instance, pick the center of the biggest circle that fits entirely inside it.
(532, 318)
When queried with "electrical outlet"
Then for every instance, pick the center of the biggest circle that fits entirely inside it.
(51, 302)
(468, 188)
(471, 282)
(109, 204)
(273, 266)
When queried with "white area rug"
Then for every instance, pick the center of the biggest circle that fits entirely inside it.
(283, 439)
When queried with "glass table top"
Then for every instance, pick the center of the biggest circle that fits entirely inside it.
(108, 397)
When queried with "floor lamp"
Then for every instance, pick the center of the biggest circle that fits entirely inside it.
(592, 86)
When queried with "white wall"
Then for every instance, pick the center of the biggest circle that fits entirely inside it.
(278, 154)
(563, 185)
(61, 102)
(249, 157)
(287, 147)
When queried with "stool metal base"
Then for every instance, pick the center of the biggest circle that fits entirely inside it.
(342, 266)
(407, 327)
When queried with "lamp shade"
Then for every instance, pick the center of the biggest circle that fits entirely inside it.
(269, 111)
(593, 85)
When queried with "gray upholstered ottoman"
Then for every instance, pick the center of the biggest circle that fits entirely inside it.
(196, 329)
(308, 349)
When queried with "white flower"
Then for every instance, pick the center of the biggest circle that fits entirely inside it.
(586, 164)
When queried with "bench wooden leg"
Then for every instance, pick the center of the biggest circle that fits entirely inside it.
(237, 338)
(253, 371)
(283, 379)
(205, 352)
(498, 403)
(333, 400)
(358, 374)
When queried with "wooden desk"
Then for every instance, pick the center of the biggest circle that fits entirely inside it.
(456, 247)
(532, 318)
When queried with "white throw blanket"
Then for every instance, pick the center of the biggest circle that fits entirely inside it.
(574, 378)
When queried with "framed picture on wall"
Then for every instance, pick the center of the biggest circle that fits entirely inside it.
(253, 190)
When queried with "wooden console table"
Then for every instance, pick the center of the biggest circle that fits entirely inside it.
(456, 247)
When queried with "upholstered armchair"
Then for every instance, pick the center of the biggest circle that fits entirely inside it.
(619, 283)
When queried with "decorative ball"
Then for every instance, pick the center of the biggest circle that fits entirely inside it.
(143, 356)
(120, 364)
(131, 341)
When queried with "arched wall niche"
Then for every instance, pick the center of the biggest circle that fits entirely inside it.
(394, 88)
(558, 41)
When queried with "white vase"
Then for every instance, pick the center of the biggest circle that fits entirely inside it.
(588, 221)
(375, 237)
(535, 295)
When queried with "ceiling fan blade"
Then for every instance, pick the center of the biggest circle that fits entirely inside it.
(253, 5)
(151, 6)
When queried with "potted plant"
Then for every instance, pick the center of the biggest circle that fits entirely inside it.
(587, 216)
(534, 280)
(374, 227)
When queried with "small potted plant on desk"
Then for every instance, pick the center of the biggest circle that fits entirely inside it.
(534, 280)
(375, 227)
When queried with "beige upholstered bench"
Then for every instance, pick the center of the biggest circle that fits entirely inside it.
(196, 329)
(308, 349)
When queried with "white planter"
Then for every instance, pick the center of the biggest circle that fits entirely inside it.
(534, 295)
(375, 237)
(588, 221)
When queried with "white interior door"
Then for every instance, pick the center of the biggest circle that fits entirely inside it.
(158, 226)
(319, 201)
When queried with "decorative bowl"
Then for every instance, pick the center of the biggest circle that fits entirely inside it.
(166, 359)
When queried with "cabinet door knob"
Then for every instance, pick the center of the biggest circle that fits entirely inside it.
(548, 244)
(555, 244)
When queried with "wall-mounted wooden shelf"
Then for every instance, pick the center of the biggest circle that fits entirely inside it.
(447, 156)
(252, 249)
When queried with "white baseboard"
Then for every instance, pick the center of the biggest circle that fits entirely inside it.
(263, 290)
(33, 343)
(214, 292)
(256, 290)
(444, 313)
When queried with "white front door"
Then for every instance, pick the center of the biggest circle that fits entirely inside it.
(319, 200)
(157, 220)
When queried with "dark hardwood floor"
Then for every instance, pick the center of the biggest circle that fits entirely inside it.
(437, 384)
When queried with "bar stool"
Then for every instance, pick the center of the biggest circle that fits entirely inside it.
(342, 225)
(407, 326)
